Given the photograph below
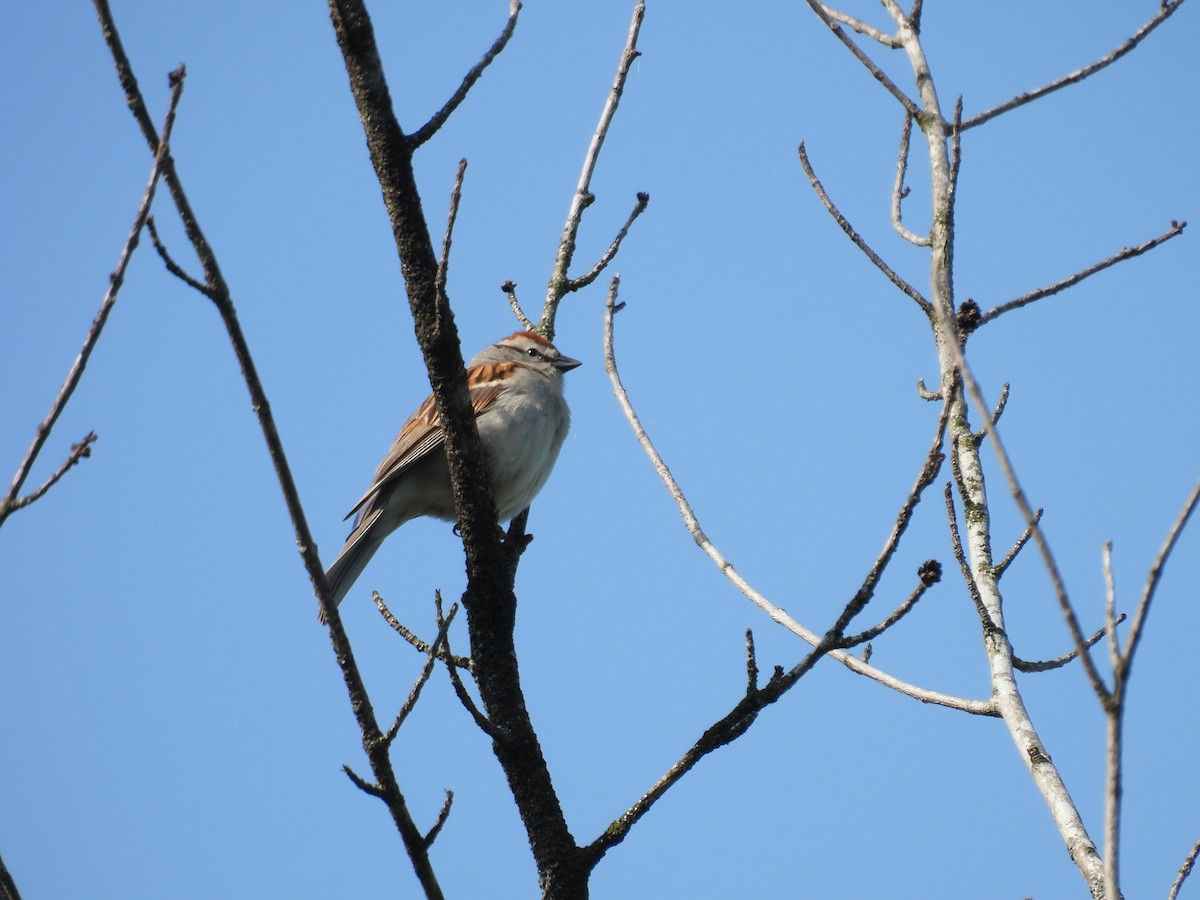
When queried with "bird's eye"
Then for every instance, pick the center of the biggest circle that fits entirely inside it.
(532, 351)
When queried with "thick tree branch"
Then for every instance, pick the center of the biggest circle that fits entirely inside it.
(491, 566)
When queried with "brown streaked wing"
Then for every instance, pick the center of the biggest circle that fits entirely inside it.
(422, 433)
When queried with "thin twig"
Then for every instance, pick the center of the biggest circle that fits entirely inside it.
(584, 280)
(751, 664)
(1168, 7)
(362, 784)
(692, 524)
(582, 198)
(1059, 662)
(510, 291)
(1027, 511)
(463, 662)
(899, 191)
(430, 128)
(1110, 606)
(824, 13)
(1184, 871)
(1125, 253)
(1000, 567)
(963, 564)
(1152, 580)
(9, 502)
(888, 40)
(426, 670)
(955, 149)
(895, 616)
(78, 451)
(443, 268)
(376, 750)
(173, 267)
(862, 245)
(442, 816)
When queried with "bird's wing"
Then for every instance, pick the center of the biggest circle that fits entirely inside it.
(422, 434)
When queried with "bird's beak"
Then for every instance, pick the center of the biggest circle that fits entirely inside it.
(566, 364)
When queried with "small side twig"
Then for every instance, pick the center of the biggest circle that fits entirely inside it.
(78, 452)
(964, 565)
(862, 245)
(173, 267)
(442, 816)
(1058, 662)
(362, 784)
(858, 25)
(510, 291)
(430, 128)
(999, 569)
(1168, 7)
(692, 524)
(575, 284)
(751, 664)
(439, 281)
(1153, 578)
(1125, 253)
(463, 662)
(825, 14)
(415, 694)
(899, 191)
(929, 575)
(582, 198)
(1184, 871)
(9, 503)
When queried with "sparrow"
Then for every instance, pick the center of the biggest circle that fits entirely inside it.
(516, 390)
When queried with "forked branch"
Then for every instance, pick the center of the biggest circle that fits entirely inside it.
(560, 282)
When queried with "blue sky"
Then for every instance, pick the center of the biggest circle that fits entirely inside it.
(174, 723)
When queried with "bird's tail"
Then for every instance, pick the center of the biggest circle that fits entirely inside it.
(360, 547)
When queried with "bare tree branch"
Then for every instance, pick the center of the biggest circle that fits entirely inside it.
(584, 280)
(888, 40)
(463, 662)
(9, 503)
(510, 291)
(1175, 230)
(899, 191)
(78, 452)
(430, 128)
(862, 245)
(443, 268)
(426, 670)
(1000, 568)
(559, 279)
(776, 613)
(442, 816)
(930, 574)
(825, 14)
(173, 267)
(1184, 871)
(1168, 7)
(1060, 661)
(1153, 578)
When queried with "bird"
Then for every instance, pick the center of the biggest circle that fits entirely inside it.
(516, 391)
